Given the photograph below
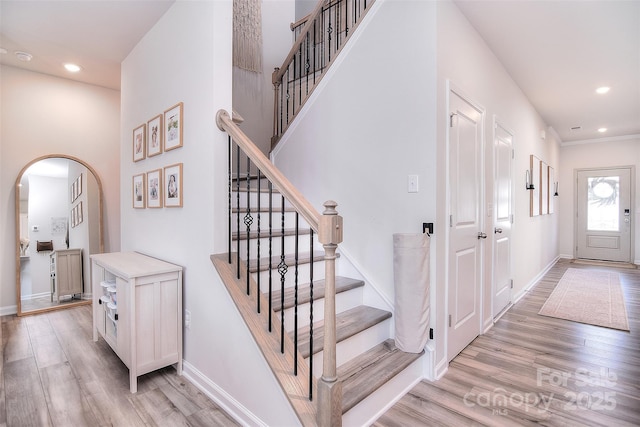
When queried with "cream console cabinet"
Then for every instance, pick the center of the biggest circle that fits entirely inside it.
(137, 309)
(66, 273)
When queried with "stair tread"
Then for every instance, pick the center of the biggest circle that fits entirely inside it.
(303, 258)
(348, 323)
(367, 372)
(343, 284)
(264, 234)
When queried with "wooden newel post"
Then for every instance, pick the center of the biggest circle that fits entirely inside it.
(329, 388)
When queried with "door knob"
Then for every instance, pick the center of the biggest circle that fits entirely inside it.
(497, 230)
(482, 235)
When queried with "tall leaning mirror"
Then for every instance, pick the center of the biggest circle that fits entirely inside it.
(58, 226)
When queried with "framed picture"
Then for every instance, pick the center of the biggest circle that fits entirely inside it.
(154, 189)
(79, 216)
(154, 141)
(74, 194)
(173, 186)
(79, 186)
(138, 191)
(73, 217)
(173, 127)
(139, 140)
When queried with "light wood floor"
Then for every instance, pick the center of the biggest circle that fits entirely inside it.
(535, 370)
(53, 374)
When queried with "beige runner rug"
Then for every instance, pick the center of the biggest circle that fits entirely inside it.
(588, 296)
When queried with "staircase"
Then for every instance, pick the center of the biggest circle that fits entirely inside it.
(271, 249)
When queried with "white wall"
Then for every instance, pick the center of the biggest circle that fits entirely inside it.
(48, 198)
(466, 60)
(193, 66)
(41, 115)
(365, 129)
(599, 154)
(253, 92)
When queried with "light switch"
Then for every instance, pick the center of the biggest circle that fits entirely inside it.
(412, 183)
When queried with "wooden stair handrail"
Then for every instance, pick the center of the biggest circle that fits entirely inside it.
(279, 72)
(297, 200)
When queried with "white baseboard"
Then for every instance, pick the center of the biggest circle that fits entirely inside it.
(534, 281)
(231, 406)
(34, 296)
(8, 310)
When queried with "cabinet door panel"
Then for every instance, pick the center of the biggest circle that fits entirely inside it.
(168, 319)
(145, 324)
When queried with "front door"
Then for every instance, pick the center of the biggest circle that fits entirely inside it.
(604, 214)
(503, 150)
(465, 222)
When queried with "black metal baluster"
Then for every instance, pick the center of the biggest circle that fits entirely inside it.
(329, 36)
(311, 317)
(307, 63)
(237, 211)
(282, 269)
(315, 52)
(230, 185)
(270, 252)
(287, 96)
(248, 220)
(258, 239)
(295, 300)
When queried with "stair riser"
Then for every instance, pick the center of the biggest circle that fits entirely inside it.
(355, 345)
(276, 246)
(344, 301)
(276, 199)
(276, 221)
(303, 275)
(377, 403)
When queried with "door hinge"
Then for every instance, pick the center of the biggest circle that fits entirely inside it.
(450, 221)
(511, 280)
(451, 119)
(513, 153)
(511, 218)
(449, 320)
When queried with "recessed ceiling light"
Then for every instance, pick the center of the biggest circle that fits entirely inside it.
(602, 90)
(23, 56)
(72, 68)
(601, 130)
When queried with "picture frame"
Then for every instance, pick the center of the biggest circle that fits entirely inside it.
(137, 191)
(139, 142)
(78, 186)
(534, 192)
(79, 216)
(74, 192)
(154, 189)
(73, 217)
(154, 140)
(544, 188)
(173, 186)
(173, 126)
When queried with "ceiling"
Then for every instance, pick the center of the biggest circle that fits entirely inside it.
(557, 51)
(95, 34)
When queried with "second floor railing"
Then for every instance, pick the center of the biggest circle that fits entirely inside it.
(318, 39)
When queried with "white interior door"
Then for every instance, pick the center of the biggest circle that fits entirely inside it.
(465, 233)
(503, 156)
(604, 214)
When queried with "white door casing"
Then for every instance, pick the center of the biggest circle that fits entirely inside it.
(465, 237)
(502, 218)
(604, 214)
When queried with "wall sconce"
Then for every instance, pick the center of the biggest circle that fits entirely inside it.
(555, 192)
(527, 181)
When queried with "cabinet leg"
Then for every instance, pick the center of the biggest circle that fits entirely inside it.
(133, 382)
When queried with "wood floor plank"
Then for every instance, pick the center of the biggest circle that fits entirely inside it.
(25, 401)
(573, 374)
